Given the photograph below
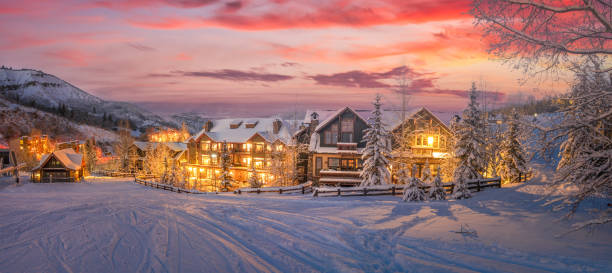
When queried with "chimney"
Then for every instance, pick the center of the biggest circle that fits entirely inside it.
(208, 125)
(277, 124)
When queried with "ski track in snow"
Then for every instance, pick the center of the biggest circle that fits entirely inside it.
(115, 226)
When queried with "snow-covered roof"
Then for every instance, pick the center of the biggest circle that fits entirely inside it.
(68, 157)
(221, 130)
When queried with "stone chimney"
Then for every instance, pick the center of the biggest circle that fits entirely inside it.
(277, 124)
(208, 125)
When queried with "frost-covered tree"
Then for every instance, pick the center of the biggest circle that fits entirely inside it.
(426, 176)
(375, 155)
(460, 189)
(413, 191)
(512, 161)
(157, 157)
(277, 168)
(403, 174)
(436, 191)
(183, 133)
(123, 146)
(449, 164)
(254, 181)
(225, 164)
(469, 148)
(90, 155)
(586, 152)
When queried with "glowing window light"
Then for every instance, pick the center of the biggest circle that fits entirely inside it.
(430, 141)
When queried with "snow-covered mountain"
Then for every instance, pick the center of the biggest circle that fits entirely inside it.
(47, 92)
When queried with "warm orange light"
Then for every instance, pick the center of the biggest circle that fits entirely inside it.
(430, 141)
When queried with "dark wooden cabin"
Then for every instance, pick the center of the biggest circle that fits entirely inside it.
(60, 166)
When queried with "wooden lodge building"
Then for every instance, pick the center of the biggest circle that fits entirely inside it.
(60, 166)
(335, 143)
(251, 143)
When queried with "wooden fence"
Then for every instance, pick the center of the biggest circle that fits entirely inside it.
(394, 189)
(114, 174)
(12, 168)
(302, 188)
(164, 186)
(524, 177)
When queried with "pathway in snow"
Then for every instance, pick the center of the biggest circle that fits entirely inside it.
(125, 227)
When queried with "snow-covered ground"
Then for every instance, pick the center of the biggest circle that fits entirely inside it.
(120, 226)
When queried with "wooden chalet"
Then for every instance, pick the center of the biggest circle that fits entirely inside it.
(335, 140)
(60, 166)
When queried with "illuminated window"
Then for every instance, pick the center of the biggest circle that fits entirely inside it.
(258, 162)
(279, 148)
(205, 159)
(205, 146)
(430, 141)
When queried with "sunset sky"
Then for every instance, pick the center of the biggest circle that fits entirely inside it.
(259, 56)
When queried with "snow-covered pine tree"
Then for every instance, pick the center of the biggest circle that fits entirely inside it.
(225, 162)
(436, 191)
(173, 173)
(403, 174)
(375, 168)
(254, 179)
(511, 155)
(413, 191)
(426, 176)
(586, 153)
(470, 151)
(460, 190)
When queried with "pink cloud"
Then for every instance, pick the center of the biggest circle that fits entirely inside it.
(70, 57)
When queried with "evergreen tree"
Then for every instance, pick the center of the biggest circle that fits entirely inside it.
(426, 176)
(254, 181)
(403, 174)
(470, 150)
(460, 190)
(225, 164)
(512, 161)
(375, 168)
(436, 191)
(413, 191)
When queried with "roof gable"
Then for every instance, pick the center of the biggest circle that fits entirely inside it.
(333, 116)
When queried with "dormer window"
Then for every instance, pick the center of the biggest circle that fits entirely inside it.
(235, 124)
(251, 123)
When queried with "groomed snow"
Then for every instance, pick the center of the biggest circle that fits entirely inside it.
(114, 226)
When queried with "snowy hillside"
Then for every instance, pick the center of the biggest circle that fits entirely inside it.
(18, 120)
(47, 92)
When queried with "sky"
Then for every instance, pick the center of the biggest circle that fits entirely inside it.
(261, 57)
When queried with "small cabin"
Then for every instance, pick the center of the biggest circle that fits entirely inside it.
(60, 166)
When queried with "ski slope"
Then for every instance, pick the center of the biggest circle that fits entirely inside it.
(120, 226)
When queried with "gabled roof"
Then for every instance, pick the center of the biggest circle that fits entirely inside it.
(68, 157)
(332, 116)
(391, 119)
